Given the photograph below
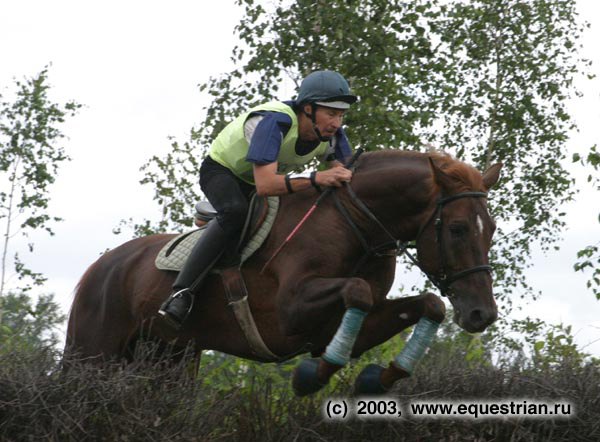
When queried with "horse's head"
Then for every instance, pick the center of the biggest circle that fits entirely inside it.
(455, 239)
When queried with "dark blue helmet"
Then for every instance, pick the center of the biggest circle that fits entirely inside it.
(326, 88)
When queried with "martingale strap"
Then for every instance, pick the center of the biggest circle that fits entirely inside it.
(369, 251)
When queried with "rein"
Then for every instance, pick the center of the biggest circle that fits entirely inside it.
(441, 280)
(386, 246)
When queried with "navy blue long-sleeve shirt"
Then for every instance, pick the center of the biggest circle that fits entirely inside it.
(266, 138)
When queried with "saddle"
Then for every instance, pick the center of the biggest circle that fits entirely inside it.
(258, 224)
(259, 221)
(204, 213)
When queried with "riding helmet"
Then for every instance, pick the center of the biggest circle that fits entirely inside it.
(326, 88)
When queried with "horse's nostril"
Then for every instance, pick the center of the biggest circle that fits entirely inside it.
(477, 316)
(481, 318)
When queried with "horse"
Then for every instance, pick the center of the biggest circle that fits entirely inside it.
(325, 292)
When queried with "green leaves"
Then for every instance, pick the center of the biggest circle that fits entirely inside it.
(29, 160)
(511, 76)
(27, 325)
(486, 80)
(588, 258)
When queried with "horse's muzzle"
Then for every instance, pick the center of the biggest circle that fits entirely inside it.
(475, 320)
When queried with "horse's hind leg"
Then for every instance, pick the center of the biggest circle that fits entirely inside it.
(100, 326)
(387, 320)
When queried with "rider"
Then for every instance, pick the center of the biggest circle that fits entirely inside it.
(259, 151)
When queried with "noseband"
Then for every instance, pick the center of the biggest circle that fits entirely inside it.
(441, 279)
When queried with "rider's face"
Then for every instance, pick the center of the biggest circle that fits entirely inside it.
(328, 121)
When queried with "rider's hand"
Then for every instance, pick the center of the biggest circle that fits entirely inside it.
(335, 177)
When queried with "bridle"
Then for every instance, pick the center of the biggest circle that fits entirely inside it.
(441, 279)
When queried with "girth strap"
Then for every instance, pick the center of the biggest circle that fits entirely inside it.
(237, 297)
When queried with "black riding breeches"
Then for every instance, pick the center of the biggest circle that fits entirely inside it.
(229, 195)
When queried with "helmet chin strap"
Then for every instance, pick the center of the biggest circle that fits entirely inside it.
(313, 118)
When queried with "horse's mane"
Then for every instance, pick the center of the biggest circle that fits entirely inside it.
(461, 172)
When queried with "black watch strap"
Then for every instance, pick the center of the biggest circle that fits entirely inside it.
(313, 181)
(288, 184)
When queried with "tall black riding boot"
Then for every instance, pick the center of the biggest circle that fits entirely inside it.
(204, 255)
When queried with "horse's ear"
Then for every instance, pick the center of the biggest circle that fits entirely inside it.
(491, 175)
(444, 180)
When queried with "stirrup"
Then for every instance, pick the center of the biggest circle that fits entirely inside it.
(174, 322)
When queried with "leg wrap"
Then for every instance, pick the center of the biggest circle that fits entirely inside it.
(339, 349)
(418, 343)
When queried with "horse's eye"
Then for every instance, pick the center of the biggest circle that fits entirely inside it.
(459, 230)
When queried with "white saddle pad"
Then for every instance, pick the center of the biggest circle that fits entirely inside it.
(174, 254)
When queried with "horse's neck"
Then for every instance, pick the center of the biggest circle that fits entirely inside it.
(400, 192)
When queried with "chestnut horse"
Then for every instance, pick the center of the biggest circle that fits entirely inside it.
(342, 258)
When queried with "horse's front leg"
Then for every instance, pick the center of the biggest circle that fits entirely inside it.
(427, 311)
(313, 302)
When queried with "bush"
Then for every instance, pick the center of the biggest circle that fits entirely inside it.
(152, 400)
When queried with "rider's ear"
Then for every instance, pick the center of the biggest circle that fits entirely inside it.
(491, 175)
(444, 180)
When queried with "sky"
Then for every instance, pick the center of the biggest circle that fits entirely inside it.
(135, 67)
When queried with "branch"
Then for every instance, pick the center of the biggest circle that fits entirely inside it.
(7, 234)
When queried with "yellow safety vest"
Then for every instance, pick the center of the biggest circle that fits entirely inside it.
(230, 148)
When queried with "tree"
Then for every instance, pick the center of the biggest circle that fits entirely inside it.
(175, 180)
(29, 326)
(588, 258)
(486, 79)
(299, 49)
(513, 69)
(29, 161)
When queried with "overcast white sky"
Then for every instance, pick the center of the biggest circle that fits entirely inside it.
(135, 65)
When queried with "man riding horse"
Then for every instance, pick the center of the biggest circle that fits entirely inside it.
(260, 151)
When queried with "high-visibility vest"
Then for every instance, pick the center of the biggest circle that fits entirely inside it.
(231, 147)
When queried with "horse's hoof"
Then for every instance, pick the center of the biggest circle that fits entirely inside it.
(368, 381)
(305, 379)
